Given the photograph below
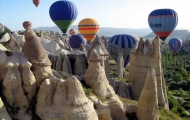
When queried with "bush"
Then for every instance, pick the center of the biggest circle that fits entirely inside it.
(183, 114)
(172, 102)
(184, 72)
(178, 77)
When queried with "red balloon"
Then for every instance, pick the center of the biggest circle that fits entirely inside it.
(27, 24)
(36, 2)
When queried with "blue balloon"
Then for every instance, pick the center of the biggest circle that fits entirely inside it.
(175, 44)
(63, 13)
(75, 41)
(163, 22)
(126, 42)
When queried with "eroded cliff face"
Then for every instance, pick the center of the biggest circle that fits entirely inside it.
(148, 101)
(95, 78)
(145, 56)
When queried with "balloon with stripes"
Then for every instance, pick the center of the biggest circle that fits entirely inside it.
(163, 22)
(88, 27)
(126, 42)
(175, 44)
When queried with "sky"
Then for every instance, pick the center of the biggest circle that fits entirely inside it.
(108, 13)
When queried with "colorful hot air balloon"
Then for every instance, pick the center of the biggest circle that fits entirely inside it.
(63, 13)
(36, 2)
(88, 27)
(72, 31)
(175, 44)
(76, 40)
(163, 22)
(126, 42)
(27, 24)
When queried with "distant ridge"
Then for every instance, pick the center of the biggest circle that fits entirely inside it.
(106, 31)
(145, 33)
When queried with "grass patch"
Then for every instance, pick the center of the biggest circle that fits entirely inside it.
(128, 101)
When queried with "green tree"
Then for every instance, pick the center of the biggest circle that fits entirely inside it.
(178, 77)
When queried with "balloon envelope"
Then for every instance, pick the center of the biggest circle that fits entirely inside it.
(88, 27)
(126, 42)
(163, 22)
(63, 14)
(36, 2)
(75, 41)
(27, 24)
(175, 44)
(72, 31)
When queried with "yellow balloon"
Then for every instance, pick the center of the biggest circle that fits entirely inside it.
(73, 32)
(88, 27)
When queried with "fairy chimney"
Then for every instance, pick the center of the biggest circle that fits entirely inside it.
(101, 49)
(36, 54)
(95, 77)
(148, 102)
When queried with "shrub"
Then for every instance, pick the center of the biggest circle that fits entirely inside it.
(172, 102)
(178, 77)
(183, 72)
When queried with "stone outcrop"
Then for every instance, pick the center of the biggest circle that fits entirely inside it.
(2, 48)
(67, 102)
(145, 56)
(5, 37)
(148, 102)
(120, 63)
(95, 78)
(36, 54)
(101, 49)
(19, 85)
(3, 112)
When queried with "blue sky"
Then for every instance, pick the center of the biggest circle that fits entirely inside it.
(109, 13)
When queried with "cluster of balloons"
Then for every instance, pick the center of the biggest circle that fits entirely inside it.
(63, 13)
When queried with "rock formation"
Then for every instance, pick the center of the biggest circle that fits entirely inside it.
(148, 101)
(5, 38)
(95, 78)
(145, 56)
(3, 112)
(120, 63)
(36, 54)
(101, 49)
(67, 102)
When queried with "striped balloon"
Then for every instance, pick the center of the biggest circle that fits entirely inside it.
(72, 31)
(63, 13)
(27, 24)
(175, 44)
(36, 2)
(75, 41)
(163, 22)
(88, 27)
(126, 42)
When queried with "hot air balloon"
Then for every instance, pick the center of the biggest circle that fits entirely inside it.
(63, 14)
(126, 42)
(163, 22)
(88, 27)
(36, 2)
(27, 24)
(175, 44)
(72, 31)
(75, 41)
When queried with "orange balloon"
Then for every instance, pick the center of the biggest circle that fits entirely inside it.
(27, 24)
(88, 27)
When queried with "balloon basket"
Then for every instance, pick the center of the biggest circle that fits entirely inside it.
(163, 43)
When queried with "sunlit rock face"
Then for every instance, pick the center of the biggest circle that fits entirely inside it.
(147, 55)
(95, 77)
(148, 102)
